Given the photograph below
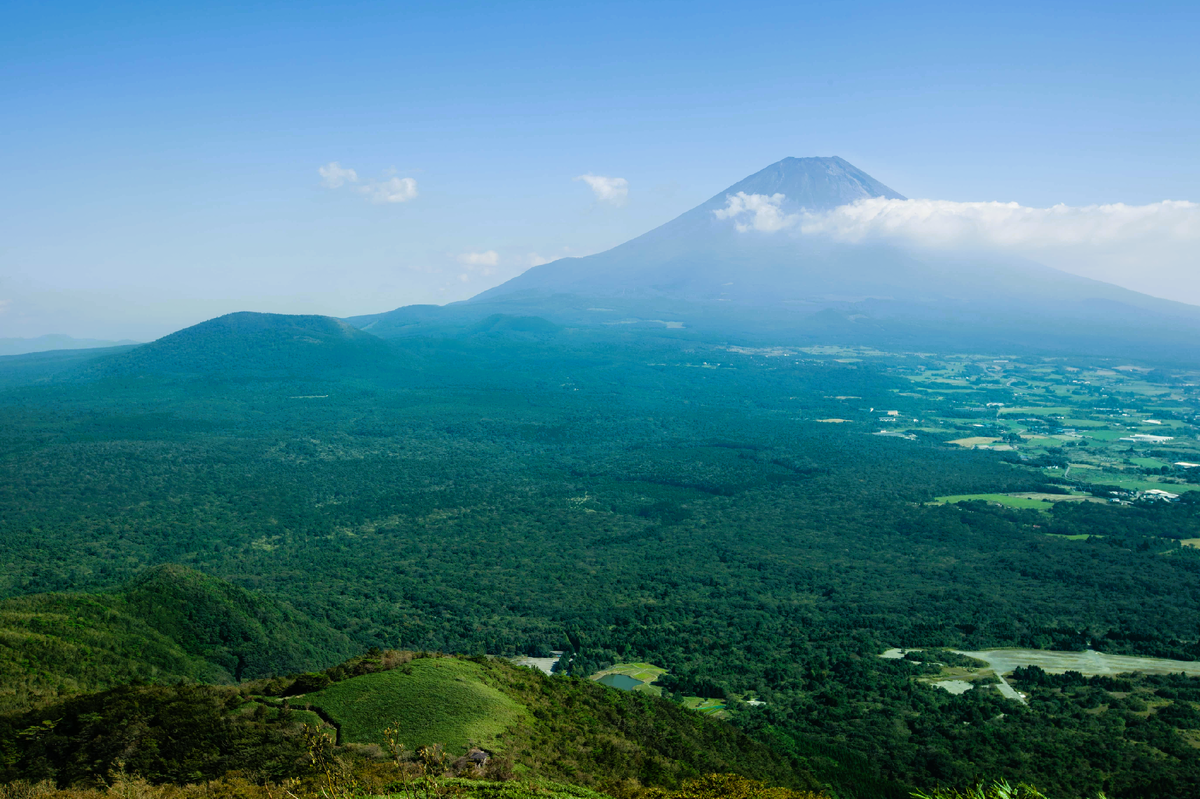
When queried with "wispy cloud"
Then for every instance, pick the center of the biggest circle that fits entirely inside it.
(481, 259)
(483, 263)
(756, 212)
(334, 175)
(607, 190)
(387, 189)
(535, 259)
(392, 190)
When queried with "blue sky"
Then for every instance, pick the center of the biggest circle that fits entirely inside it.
(161, 162)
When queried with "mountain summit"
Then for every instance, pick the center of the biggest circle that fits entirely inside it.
(251, 343)
(816, 184)
(700, 236)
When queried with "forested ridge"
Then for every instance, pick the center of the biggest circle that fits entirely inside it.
(167, 624)
(619, 498)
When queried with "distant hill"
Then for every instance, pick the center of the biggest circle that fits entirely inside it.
(701, 273)
(55, 341)
(171, 623)
(251, 344)
(506, 325)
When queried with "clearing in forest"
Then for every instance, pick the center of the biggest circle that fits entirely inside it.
(1012, 501)
(709, 707)
(973, 441)
(430, 699)
(631, 677)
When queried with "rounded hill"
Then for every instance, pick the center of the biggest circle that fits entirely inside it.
(250, 343)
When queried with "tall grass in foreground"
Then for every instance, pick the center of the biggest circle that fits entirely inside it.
(714, 786)
(997, 790)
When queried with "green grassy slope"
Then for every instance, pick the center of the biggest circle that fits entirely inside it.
(431, 700)
(562, 728)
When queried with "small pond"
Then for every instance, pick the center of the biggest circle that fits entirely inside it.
(622, 681)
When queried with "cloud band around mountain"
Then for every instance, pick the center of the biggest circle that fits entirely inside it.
(1130, 245)
(948, 223)
(757, 212)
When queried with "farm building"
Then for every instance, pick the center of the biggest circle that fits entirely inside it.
(1158, 493)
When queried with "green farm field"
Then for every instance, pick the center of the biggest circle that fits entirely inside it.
(1131, 483)
(1000, 499)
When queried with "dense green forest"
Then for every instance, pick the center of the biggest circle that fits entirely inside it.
(521, 489)
(168, 623)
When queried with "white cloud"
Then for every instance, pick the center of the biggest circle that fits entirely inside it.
(482, 262)
(4, 305)
(537, 260)
(1153, 248)
(391, 190)
(334, 176)
(607, 190)
(388, 189)
(489, 258)
(765, 212)
(945, 223)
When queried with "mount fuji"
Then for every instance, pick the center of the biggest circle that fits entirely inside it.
(728, 268)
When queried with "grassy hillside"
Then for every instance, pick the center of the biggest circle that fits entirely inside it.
(562, 728)
(169, 624)
(430, 700)
(534, 727)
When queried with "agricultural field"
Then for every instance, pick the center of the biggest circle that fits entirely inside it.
(1008, 500)
(1087, 424)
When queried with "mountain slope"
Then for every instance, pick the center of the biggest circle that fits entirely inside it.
(170, 623)
(711, 249)
(254, 344)
(559, 728)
